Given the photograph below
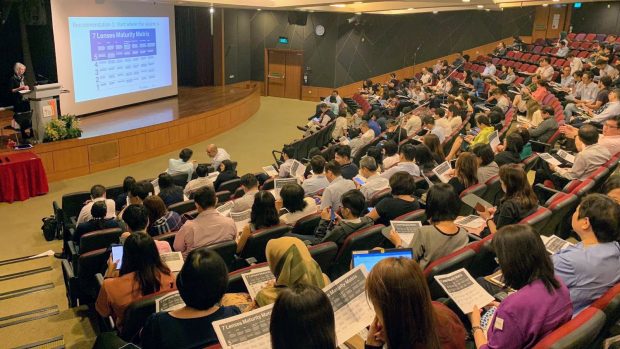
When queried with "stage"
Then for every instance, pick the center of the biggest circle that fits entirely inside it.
(122, 136)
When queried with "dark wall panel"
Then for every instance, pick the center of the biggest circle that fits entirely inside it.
(595, 17)
(376, 45)
(194, 46)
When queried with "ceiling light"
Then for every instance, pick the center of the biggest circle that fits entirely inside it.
(435, 12)
(608, 5)
(358, 2)
(258, 9)
(410, 9)
(466, 0)
(211, 10)
(480, 6)
(487, 9)
(555, 0)
(358, 13)
(545, 5)
(338, 5)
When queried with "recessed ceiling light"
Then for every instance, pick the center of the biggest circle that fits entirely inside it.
(435, 12)
(211, 10)
(480, 6)
(466, 0)
(358, 13)
(410, 9)
(555, 0)
(258, 9)
(545, 5)
(358, 2)
(487, 9)
(338, 5)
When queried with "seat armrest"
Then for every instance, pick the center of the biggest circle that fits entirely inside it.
(71, 283)
(74, 253)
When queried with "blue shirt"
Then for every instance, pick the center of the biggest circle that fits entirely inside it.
(588, 272)
(375, 127)
(478, 87)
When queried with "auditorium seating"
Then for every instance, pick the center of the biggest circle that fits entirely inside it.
(307, 225)
(95, 240)
(476, 189)
(79, 276)
(324, 254)
(461, 258)
(580, 332)
(256, 243)
(182, 207)
(364, 239)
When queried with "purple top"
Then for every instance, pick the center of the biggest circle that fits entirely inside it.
(528, 315)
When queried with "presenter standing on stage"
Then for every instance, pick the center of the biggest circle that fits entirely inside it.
(21, 104)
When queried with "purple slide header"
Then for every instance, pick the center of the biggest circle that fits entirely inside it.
(122, 43)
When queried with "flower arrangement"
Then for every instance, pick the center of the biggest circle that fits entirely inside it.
(65, 127)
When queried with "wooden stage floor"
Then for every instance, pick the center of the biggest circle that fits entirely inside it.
(190, 101)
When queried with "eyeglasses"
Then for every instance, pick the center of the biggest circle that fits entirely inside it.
(609, 126)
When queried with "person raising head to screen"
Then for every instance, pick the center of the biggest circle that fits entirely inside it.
(405, 315)
(541, 302)
(302, 318)
(202, 283)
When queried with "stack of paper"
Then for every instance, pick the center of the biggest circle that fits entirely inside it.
(554, 244)
(168, 302)
(471, 222)
(257, 279)
(464, 290)
(442, 170)
(241, 218)
(406, 230)
(224, 209)
(174, 260)
(270, 171)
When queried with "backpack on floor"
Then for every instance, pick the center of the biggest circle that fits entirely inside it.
(49, 227)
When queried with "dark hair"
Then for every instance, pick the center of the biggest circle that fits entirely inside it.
(343, 151)
(603, 213)
(424, 157)
(333, 167)
(588, 134)
(203, 279)
(606, 81)
(442, 203)
(612, 183)
(397, 289)
(228, 166)
(303, 318)
(317, 163)
(402, 183)
(524, 133)
(440, 112)
(428, 120)
(264, 213)
(467, 169)
(205, 197)
(484, 152)
(156, 208)
(589, 73)
(97, 191)
(408, 152)
(202, 170)
(314, 151)
(136, 217)
(165, 181)
(514, 143)
(141, 189)
(518, 188)
(523, 257)
(128, 182)
(390, 147)
(186, 154)
(355, 201)
(482, 119)
(99, 211)
(547, 109)
(293, 197)
(140, 255)
(289, 150)
(248, 180)
(375, 153)
(431, 140)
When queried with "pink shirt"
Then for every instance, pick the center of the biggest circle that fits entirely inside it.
(612, 143)
(208, 228)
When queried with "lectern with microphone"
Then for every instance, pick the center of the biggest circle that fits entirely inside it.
(44, 107)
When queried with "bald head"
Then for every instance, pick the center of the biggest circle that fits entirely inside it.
(211, 150)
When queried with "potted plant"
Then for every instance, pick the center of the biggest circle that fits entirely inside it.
(65, 127)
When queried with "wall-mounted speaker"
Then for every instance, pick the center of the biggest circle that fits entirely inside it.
(297, 17)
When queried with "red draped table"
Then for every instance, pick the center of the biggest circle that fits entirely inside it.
(21, 176)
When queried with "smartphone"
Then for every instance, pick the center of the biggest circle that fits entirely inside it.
(332, 214)
(358, 180)
(117, 255)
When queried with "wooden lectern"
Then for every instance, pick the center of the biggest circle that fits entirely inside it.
(44, 107)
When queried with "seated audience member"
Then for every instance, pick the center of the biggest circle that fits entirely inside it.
(136, 219)
(142, 273)
(201, 180)
(317, 180)
(227, 173)
(487, 167)
(428, 123)
(340, 126)
(346, 223)
(137, 194)
(394, 132)
(97, 222)
(442, 122)
(424, 158)
(546, 129)
(249, 184)
(161, 220)
(288, 155)
(168, 191)
(519, 200)
(182, 164)
(602, 114)
(406, 163)
(590, 157)
(406, 317)
(365, 137)
(264, 215)
(337, 186)
(453, 117)
(323, 116)
(291, 264)
(343, 157)
(390, 156)
(413, 124)
(376, 153)
(202, 283)
(510, 151)
(208, 228)
(97, 193)
(442, 237)
(295, 204)
(527, 146)
(590, 268)
(402, 200)
(610, 138)
(483, 122)
(541, 302)
(432, 142)
(121, 200)
(217, 155)
(373, 182)
(302, 318)
(465, 172)
(612, 187)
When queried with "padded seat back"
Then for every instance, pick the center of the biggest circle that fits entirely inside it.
(561, 208)
(230, 185)
(417, 215)
(168, 237)
(364, 239)
(578, 333)
(378, 196)
(324, 254)
(307, 225)
(114, 191)
(99, 239)
(226, 250)
(255, 246)
(538, 220)
(180, 179)
(494, 190)
(89, 264)
(137, 313)
(476, 189)
(235, 282)
(72, 203)
(609, 303)
(461, 258)
(182, 207)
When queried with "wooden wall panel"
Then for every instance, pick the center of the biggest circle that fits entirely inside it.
(157, 139)
(48, 161)
(71, 158)
(103, 152)
(178, 133)
(132, 145)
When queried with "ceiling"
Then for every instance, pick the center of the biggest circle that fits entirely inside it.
(374, 6)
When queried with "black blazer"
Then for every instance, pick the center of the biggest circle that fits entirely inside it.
(223, 177)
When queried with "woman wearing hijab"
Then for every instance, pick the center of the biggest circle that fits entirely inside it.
(291, 263)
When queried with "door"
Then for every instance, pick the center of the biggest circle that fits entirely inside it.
(284, 70)
(276, 74)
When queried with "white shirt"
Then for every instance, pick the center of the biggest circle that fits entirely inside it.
(334, 191)
(612, 143)
(575, 65)
(220, 156)
(608, 71)
(177, 166)
(610, 109)
(341, 125)
(546, 73)
(444, 124)
(292, 218)
(315, 183)
(390, 161)
(489, 70)
(196, 184)
(413, 124)
(85, 215)
(374, 184)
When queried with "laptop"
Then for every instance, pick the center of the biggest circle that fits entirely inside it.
(372, 257)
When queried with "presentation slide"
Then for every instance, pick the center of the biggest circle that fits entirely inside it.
(118, 55)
